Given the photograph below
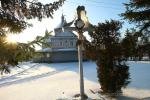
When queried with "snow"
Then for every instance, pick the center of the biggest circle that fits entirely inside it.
(36, 81)
(50, 49)
(140, 80)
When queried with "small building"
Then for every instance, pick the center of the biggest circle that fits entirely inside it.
(62, 45)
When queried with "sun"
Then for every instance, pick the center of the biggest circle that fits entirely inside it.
(11, 38)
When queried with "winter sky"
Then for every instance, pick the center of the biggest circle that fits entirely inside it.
(97, 11)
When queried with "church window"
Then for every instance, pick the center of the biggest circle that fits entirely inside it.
(71, 43)
(60, 43)
(47, 55)
(66, 41)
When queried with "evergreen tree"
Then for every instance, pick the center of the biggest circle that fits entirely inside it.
(129, 44)
(138, 11)
(106, 49)
(14, 12)
(13, 18)
(11, 54)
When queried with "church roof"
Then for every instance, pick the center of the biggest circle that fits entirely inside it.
(61, 31)
(63, 22)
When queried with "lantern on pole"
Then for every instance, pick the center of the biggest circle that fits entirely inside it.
(80, 24)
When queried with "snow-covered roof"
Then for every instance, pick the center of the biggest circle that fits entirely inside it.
(55, 50)
(64, 23)
(61, 32)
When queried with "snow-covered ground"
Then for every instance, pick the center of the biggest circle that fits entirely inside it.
(34, 81)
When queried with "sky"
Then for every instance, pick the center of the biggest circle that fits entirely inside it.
(97, 11)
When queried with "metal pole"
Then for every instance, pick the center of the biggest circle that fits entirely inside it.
(80, 58)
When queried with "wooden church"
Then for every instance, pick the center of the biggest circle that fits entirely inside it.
(62, 45)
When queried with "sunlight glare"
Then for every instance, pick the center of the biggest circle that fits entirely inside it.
(11, 38)
(84, 18)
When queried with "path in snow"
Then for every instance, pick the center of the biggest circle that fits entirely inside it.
(50, 86)
(35, 71)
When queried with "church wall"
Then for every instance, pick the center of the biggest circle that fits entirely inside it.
(64, 56)
(60, 56)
